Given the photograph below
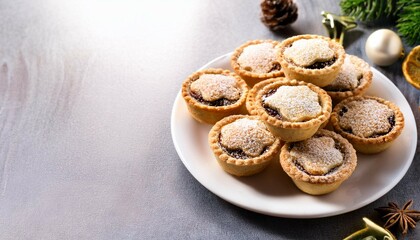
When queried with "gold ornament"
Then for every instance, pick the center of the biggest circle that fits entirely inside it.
(371, 232)
(337, 26)
(384, 47)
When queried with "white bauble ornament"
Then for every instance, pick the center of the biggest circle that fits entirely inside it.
(384, 47)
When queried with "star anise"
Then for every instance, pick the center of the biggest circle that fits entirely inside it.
(406, 217)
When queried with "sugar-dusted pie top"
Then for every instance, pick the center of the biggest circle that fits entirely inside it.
(305, 52)
(317, 155)
(259, 58)
(295, 103)
(249, 135)
(366, 118)
(348, 78)
(213, 87)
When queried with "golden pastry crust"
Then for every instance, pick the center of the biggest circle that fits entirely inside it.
(211, 114)
(320, 77)
(235, 166)
(320, 184)
(250, 77)
(250, 99)
(292, 131)
(369, 145)
(364, 82)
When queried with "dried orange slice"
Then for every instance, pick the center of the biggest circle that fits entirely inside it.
(411, 67)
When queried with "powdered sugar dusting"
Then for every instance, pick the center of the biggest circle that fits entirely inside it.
(213, 87)
(258, 58)
(295, 103)
(366, 118)
(251, 136)
(348, 77)
(305, 52)
(317, 155)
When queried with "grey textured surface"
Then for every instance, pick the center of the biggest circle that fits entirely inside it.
(86, 91)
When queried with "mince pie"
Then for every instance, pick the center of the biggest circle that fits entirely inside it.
(257, 60)
(213, 94)
(371, 124)
(243, 145)
(311, 58)
(320, 164)
(250, 99)
(354, 79)
(293, 110)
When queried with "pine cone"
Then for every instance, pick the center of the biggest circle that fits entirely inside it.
(276, 14)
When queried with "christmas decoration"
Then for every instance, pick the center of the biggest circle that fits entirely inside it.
(371, 231)
(411, 67)
(408, 23)
(369, 10)
(404, 217)
(276, 14)
(337, 26)
(405, 12)
(384, 47)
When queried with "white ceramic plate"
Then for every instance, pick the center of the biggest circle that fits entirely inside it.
(272, 192)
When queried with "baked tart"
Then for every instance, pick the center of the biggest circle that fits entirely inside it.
(320, 164)
(311, 58)
(213, 94)
(243, 145)
(292, 110)
(257, 60)
(371, 124)
(250, 99)
(354, 79)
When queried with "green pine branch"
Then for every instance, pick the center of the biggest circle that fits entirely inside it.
(407, 13)
(369, 10)
(408, 23)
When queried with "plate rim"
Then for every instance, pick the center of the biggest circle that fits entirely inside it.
(360, 204)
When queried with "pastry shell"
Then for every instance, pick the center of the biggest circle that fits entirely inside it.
(369, 145)
(292, 131)
(211, 114)
(320, 77)
(252, 78)
(240, 167)
(364, 82)
(250, 99)
(322, 184)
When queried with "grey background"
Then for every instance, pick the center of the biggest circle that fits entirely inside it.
(86, 92)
